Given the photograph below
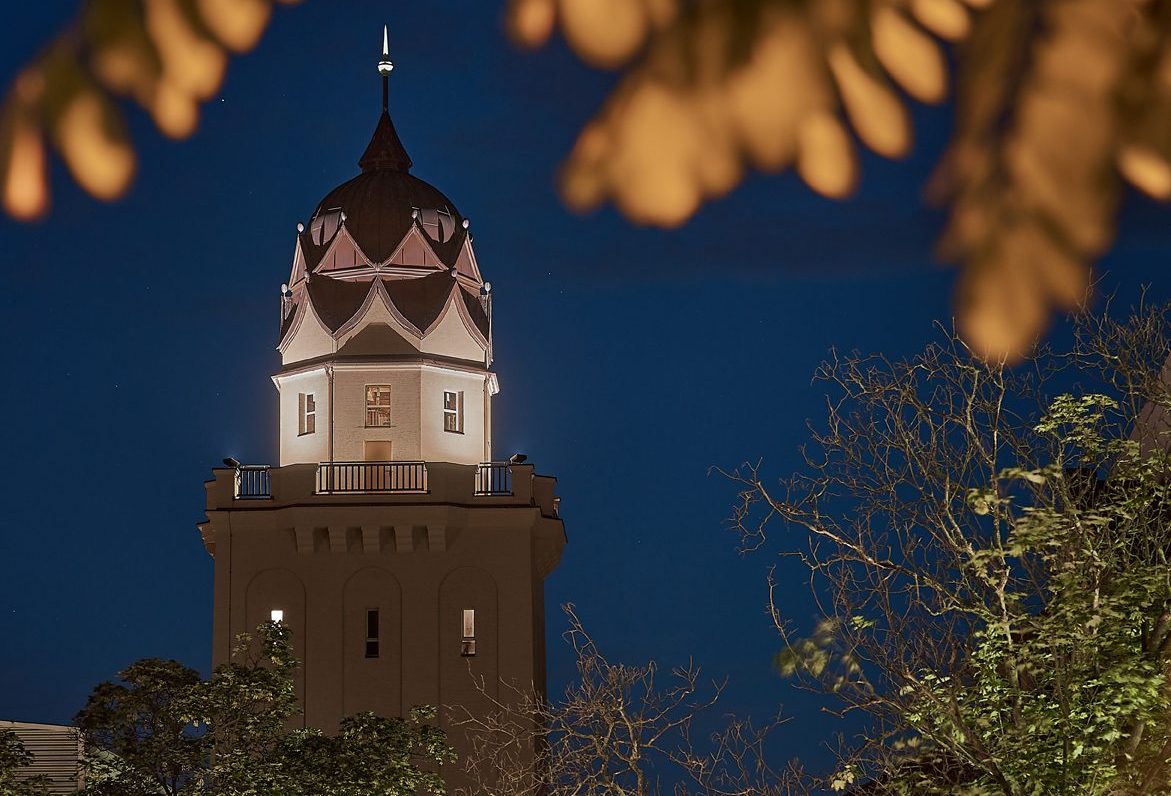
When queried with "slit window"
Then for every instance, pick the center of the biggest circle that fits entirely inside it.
(277, 615)
(377, 405)
(467, 646)
(371, 632)
(307, 413)
(453, 411)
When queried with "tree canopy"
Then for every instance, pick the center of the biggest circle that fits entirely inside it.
(161, 729)
(989, 553)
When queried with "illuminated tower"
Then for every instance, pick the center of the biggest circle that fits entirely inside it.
(398, 553)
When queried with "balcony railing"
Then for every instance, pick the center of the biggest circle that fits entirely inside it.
(494, 478)
(338, 478)
(252, 482)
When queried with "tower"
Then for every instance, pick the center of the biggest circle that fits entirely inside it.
(404, 559)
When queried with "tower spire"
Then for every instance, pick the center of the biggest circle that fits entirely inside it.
(385, 151)
(385, 66)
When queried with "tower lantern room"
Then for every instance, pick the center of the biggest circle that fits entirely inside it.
(385, 337)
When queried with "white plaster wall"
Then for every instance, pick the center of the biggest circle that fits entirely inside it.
(437, 445)
(350, 432)
(303, 448)
(310, 340)
(451, 337)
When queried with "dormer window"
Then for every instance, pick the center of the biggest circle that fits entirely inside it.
(438, 224)
(453, 411)
(325, 225)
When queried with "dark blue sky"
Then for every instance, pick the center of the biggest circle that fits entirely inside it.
(139, 339)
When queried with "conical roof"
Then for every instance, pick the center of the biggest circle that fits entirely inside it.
(385, 151)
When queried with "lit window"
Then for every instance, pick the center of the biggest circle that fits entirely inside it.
(377, 405)
(371, 632)
(453, 411)
(307, 412)
(467, 646)
(277, 615)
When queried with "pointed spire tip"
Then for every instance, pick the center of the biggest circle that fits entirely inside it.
(385, 65)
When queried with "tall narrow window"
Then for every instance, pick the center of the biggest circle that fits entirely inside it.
(467, 646)
(371, 632)
(453, 411)
(377, 405)
(307, 412)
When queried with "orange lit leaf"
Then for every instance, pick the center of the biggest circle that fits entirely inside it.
(192, 63)
(874, 111)
(91, 138)
(236, 23)
(909, 56)
(23, 168)
(530, 22)
(825, 157)
(604, 32)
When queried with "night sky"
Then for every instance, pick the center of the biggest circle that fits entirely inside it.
(140, 337)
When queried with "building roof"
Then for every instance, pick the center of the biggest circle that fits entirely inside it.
(385, 151)
(420, 300)
(387, 231)
(380, 204)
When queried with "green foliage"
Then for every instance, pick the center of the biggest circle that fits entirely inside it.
(163, 730)
(141, 740)
(1056, 687)
(369, 755)
(992, 580)
(14, 756)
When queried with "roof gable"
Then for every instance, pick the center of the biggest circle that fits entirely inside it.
(342, 253)
(466, 265)
(415, 250)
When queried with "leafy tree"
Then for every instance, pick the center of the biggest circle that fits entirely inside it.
(139, 738)
(1059, 104)
(990, 556)
(164, 730)
(14, 756)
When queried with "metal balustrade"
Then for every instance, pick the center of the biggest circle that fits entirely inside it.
(252, 482)
(494, 478)
(339, 478)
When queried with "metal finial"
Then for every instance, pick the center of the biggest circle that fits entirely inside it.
(384, 68)
(385, 65)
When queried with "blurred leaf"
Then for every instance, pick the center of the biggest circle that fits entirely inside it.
(1057, 102)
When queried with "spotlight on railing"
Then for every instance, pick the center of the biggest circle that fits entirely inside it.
(517, 458)
(231, 461)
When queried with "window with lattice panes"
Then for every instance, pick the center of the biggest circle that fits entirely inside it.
(453, 411)
(377, 405)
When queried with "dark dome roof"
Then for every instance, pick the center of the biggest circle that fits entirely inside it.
(379, 203)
